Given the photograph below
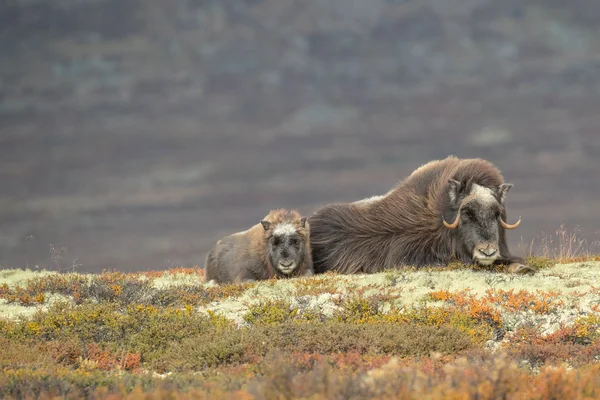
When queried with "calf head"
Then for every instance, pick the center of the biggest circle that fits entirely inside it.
(285, 241)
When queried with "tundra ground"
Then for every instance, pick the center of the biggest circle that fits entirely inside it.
(454, 332)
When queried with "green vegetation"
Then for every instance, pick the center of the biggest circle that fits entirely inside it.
(449, 332)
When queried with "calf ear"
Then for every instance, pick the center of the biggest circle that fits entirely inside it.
(503, 190)
(265, 224)
(303, 222)
(453, 190)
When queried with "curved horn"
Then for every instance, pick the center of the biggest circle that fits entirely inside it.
(454, 224)
(507, 226)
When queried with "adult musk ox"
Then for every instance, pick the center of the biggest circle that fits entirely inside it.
(278, 246)
(451, 209)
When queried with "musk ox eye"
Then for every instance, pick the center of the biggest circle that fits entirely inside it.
(294, 242)
(276, 242)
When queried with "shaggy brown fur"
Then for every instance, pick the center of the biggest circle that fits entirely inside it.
(404, 226)
(258, 253)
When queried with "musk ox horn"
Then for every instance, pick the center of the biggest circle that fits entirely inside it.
(509, 226)
(454, 224)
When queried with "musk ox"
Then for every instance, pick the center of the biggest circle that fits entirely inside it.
(278, 246)
(451, 209)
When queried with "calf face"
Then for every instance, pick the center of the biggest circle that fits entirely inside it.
(479, 219)
(285, 244)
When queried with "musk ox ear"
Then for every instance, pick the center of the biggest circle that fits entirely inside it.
(503, 190)
(453, 190)
(265, 224)
(303, 222)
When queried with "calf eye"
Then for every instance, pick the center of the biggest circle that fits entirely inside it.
(276, 242)
(294, 242)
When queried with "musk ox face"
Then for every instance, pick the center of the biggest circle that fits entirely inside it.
(285, 245)
(478, 219)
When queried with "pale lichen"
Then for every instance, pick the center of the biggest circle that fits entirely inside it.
(572, 287)
(16, 277)
(412, 287)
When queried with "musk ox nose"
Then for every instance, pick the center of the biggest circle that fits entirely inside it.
(285, 253)
(286, 264)
(488, 252)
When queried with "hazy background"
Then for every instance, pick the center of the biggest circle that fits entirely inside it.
(134, 134)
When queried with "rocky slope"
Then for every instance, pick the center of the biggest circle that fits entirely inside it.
(138, 132)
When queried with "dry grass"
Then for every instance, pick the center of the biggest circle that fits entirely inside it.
(563, 246)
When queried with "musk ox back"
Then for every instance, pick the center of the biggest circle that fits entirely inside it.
(451, 209)
(278, 246)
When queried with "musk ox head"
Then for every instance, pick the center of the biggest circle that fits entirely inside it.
(479, 216)
(285, 241)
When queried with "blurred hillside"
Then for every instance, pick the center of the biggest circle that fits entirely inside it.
(133, 134)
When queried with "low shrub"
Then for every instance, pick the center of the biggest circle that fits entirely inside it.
(119, 287)
(138, 328)
(577, 344)
(331, 337)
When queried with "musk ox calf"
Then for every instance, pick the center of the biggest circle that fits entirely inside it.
(451, 209)
(278, 246)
